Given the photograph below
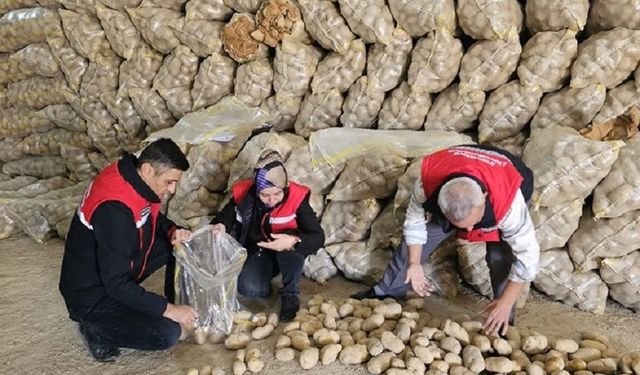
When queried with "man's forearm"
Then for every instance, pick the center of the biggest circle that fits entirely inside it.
(511, 291)
(415, 254)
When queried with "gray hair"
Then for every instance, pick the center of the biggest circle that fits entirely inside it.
(459, 196)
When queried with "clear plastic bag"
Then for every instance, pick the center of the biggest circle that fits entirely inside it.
(555, 15)
(340, 70)
(453, 110)
(213, 81)
(405, 108)
(207, 278)
(573, 108)
(419, 17)
(489, 19)
(435, 61)
(358, 263)
(370, 19)
(386, 64)
(555, 225)
(622, 275)
(325, 24)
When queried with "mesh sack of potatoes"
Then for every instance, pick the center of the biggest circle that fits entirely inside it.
(325, 24)
(71, 63)
(9, 5)
(64, 116)
(207, 10)
(4, 101)
(513, 144)
(349, 221)
(19, 123)
(253, 82)
(202, 37)
(617, 102)
(441, 270)
(154, 24)
(489, 64)
(555, 15)
(176, 5)
(473, 267)
(34, 59)
(370, 19)
(90, 110)
(193, 204)
(357, 263)
(319, 267)
(371, 175)
(361, 106)
(37, 92)
(435, 61)
(386, 230)
(118, 4)
(85, 34)
(36, 166)
(78, 163)
(557, 279)
(573, 108)
(453, 110)
(48, 144)
(405, 108)
(489, 19)
(8, 226)
(98, 160)
(8, 149)
(249, 6)
(340, 70)
(237, 40)
(607, 58)
(39, 187)
(210, 163)
(609, 14)
(81, 6)
(554, 225)
(622, 276)
(318, 111)
(62, 228)
(546, 59)
(139, 71)
(293, 66)
(121, 108)
(508, 110)
(595, 240)
(420, 17)
(276, 19)
(387, 63)
(619, 192)
(15, 183)
(405, 187)
(119, 31)
(295, 141)
(105, 139)
(318, 177)
(21, 27)
(566, 165)
(213, 81)
(101, 76)
(283, 111)
(38, 219)
(152, 108)
(175, 78)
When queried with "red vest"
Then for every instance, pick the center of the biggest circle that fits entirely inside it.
(501, 179)
(109, 185)
(283, 216)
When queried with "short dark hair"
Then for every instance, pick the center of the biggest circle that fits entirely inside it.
(163, 154)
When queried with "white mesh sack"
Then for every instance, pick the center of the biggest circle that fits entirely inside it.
(555, 15)
(358, 263)
(48, 144)
(34, 59)
(19, 123)
(405, 108)
(202, 37)
(253, 82)
(488, 64)
(622, 276)
(37, 92)
(65, 117)
(573, 108)
(554, 225)
(131, 126)
(139, 71)
(489, 19)
(318, 178)
(9, 5)
(21, 27)
(175, 78)
(176, 5)
(116, 4)
(419, 17)
(120, 32)
(361, 105)
(207, 10)
(319, 111)
(71, 63)
(435, 61)
(618, 101)
(319, 267)
(85, 34)
(213, 81)
(473, 267)
(453, 110)
(325, 24)
(152, 108)
(78, 163)
(340, 70)
(282, 110)
(386, 230)
(101, 76)
(609, 14)
(441, 271)
(349, 221)
(386, 64)
(250, 6)
(8, 149)
(36, 166)
(154, 24)
(513, 144)
(370, 19)
(293, 66)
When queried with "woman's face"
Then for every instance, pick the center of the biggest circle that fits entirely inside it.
(271, 196)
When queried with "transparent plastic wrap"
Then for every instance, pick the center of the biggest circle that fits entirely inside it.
(489, 19)
(473, 267)
(441, 270)
(319, 177)
(101, 76)
(34, 59)
(622, 276)
(319, 111)
(386, 231)
(19, 123)
(207, 278)
(453, 110)
(275, 20)
(386, 64)
(573, 108)
(71, 63)
(419, 17)
(245, 161)
(514, 144)
(358, 263)
(282, 110)
(36, 166)
(609, 14)
(349, 221)
(606, 58)
(595, 240)
(555, 15)
(119, 31)
(37, 92)
(237, 39)
(619, 192)
(207, 10)
(152, 108)
(340, 70)
(202, 37)
(175, 78)
(78, 163)
(546, 59)
(567, 166)
(370, 19)
(21, 27)
(489, 64)
(154, 24)
(361, 106)
(293, 66)
(554, 225)
(508, 110)
(617, 102)
(319, 267)
(557, 279)
(139, 71)
(253, 82)
(48, 144)
(85, 34)
(435, 61)
(374, 175)
(326, 25)
(213, 81)
(405, 108)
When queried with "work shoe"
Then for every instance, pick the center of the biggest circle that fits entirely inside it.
(368, 294)
(288, 308)
(101, 352)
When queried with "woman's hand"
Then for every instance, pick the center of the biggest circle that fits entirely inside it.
(281, 242)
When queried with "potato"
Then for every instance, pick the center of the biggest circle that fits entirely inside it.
(381, 363)
(253, 360)
(575, 365)
(390, 310)
(239, 367)
(456, 331)
(353, 355)
(261, 333)
(603, 366)
(309, 358)
(593, 344)
(329, 353)
(586, 354)
(285, 354)
(236, 341)
(499, 365)
(502, 346)
(193, 371)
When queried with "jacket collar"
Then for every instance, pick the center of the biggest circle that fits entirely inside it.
(127, 168)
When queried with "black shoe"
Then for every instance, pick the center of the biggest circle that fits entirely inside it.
(368, 294)
(289, 308)
(101, 353)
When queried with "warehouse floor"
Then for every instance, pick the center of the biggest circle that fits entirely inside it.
(37, 338)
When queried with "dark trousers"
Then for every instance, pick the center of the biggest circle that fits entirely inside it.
(261, 266)
(114, 324)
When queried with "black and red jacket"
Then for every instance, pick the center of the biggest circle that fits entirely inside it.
(115, 232)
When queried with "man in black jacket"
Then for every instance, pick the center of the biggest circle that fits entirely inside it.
(273, 220)
(117, 239)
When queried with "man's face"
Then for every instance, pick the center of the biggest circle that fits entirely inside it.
(162, 182)
(467, 223)
(271, 196)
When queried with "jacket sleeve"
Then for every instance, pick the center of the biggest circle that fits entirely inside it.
(117, 238)
(415, 222)
(310, 231)
(166, 226)
(226, 216)
(518, 231)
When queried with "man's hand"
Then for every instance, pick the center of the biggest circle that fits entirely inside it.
(183, 314)
(281, 242)
(218, 229)
(497, 321)
(419, 283)
(180, 235)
